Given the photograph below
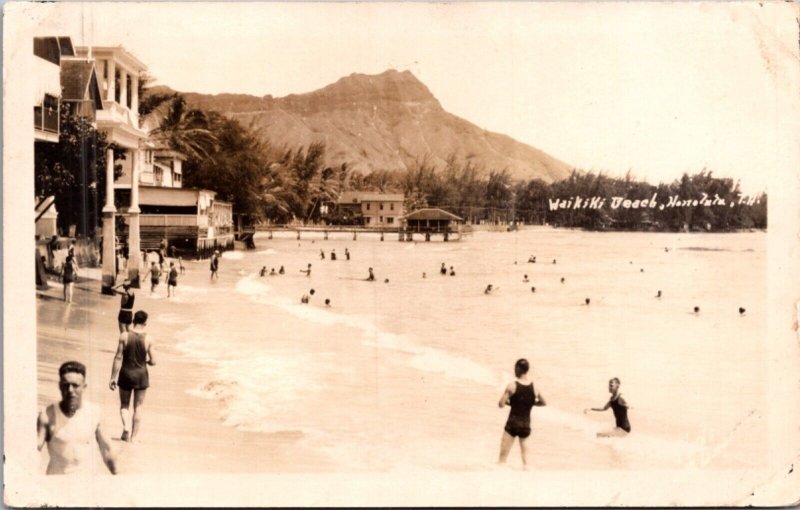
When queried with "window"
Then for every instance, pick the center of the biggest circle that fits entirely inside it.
(381, 219)
(390, 220)
(381, 206)
(368, 206)
(391, 207)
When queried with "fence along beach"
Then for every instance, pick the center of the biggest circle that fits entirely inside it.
(406, 375)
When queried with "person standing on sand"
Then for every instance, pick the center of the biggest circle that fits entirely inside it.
(172, 279)
(521, 397)
(129, 372)
(346, 254)
(620, 409)
(127, 299)
(70, 427)
(69, 274)
(214, 266)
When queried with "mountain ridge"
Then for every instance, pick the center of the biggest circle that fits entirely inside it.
(386, 121)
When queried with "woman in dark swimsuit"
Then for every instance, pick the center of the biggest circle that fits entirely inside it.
(69, 274)
(125, 317)
(521, 397)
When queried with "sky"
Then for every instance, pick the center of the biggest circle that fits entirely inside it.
(657, 89)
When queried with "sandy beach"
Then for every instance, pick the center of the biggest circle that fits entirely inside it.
(180, 433)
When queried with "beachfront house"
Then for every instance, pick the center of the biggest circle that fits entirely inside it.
(118, 73)
(48, 52)
(372, 209)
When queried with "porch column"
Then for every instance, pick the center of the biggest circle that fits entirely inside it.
(134, 261)
(112, 86)
(109, 231)
(135, 97)
(123, 88)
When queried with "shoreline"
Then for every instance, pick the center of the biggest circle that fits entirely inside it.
(180, 432)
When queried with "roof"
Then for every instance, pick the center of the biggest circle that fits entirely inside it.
(79, 82)
(162, 152)
(432, 214)
(355, 197)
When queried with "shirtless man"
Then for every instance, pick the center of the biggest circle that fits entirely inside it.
(172, 279)
(134, 353)
(521, 397)
(69, 427)
(620, 409)
(214, 265)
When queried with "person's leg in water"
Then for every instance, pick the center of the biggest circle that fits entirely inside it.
(123, 327)
(505, 446)
(125, 413)
(138, 400)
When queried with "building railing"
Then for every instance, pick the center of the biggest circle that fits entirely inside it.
(173, 220)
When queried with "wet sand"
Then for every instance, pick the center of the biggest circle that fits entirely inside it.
(180, 433)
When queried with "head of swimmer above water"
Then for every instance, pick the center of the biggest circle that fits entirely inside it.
(613, 385)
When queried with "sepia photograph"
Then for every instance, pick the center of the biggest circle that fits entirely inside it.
(401, 254)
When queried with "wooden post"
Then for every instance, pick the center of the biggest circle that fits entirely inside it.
(354, 235)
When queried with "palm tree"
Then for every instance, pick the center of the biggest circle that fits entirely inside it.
(183, 129)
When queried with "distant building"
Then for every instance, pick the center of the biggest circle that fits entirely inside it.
(431, 221)
(372, 208)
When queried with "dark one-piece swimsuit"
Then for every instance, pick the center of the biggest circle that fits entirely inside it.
(519, 417)
(126, 308)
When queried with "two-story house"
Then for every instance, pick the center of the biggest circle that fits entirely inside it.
(373, 209)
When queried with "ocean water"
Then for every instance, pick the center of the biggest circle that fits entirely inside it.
(407, 374)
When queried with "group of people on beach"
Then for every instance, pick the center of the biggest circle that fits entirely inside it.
(521, 397)
(70, 427)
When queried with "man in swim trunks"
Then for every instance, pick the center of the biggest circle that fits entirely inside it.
(620, 409)
(172, 279)
(127, 299)
(333, 254)
(281, 270)
(521, 397)
(129, 372)
(70, 427)
(371, 277)
(443, 270)
(155, 277)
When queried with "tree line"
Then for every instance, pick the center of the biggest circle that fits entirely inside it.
(282, 184)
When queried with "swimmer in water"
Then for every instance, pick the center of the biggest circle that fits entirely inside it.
(371, 277)
(533, 289)
(281, 270)
(333, 254)
(155, 277)
(328, 303)
(443, 270)
(180, 265)
(554, 261)
(172, 279)
(263, 271)
(525, 279)
(587, 301)
(563, 280)
(424, 275)
(620, 409)
(659, 294)
(452, 271)
(322, 255)
(741, 311)
(641, 270)
(696, 309)
(307, 271)
(347, 254)
(521, 396)
(386, 280)
(488, 289)
(273, 273)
